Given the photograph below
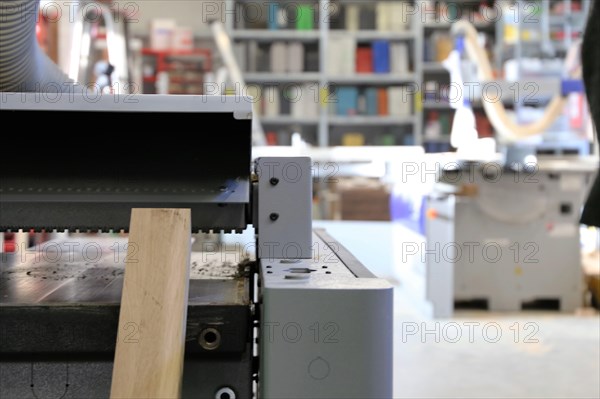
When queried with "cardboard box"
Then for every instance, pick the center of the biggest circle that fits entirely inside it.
(591, 267)
(161, 33)
(183, 39)
(363, 199)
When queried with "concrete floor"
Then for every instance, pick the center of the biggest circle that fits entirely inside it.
(475, 354)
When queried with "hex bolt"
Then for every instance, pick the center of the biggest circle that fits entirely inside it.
(274, 181)
(274, 216)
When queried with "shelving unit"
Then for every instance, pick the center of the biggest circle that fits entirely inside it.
(527, 32)
(435, 78)
(323, 126)
(546, 36)
(267, 77)
(548, 30)
(374, 78)
(185, 70)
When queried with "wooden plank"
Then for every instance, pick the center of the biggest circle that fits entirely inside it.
(151, 336)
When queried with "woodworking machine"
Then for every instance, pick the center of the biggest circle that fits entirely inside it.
(507, 237)
(288, 313)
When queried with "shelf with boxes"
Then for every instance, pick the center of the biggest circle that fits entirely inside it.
(299, 57)
(174, 61)
(372, 73)
(536, 50)
(541, 29)
(275, 41)
(370, 114)
(276, 45)
(438, 42)
(526, 41)
(175, 71)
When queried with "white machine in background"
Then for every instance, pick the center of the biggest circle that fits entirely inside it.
(505, 239)
(503, 228)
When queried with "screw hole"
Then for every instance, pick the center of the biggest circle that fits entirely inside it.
(225, 393)
(210, 339)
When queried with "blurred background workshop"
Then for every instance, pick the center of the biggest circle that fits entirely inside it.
(452, 151)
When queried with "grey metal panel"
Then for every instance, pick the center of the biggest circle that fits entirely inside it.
(353, 264)
(241, 106)
(324, 333)
(284, 220)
